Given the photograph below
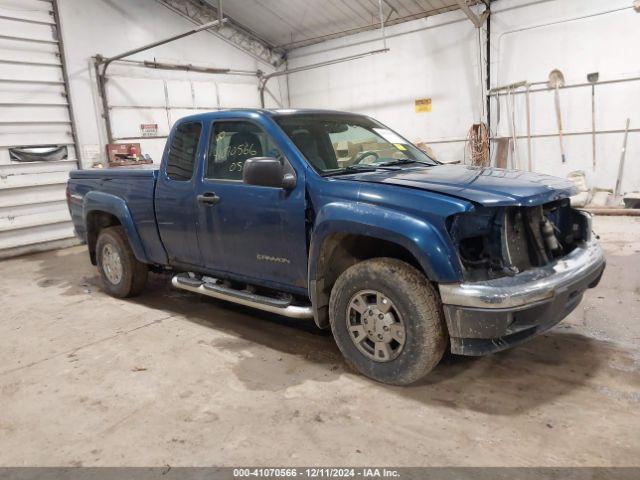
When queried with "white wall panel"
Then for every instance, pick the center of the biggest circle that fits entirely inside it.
(126, 122)
(577, 37)
(206, 94)
(177, 113)
(430, 58)
(153, 147)
(239, 95)
(179, 94)
(136, 91)
(115, 26)
(437, 58)
(171, 100)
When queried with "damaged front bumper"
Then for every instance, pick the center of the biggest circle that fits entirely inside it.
(489, 316)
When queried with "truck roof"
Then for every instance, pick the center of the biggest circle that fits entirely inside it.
(248, 112)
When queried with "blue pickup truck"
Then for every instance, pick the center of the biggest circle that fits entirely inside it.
(334, 217)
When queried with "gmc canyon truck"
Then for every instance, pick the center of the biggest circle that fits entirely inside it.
(334, 217)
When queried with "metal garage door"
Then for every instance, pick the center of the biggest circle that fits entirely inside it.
(34, 112)
(162, 101)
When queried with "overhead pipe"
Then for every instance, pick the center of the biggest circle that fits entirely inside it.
(128, 53)
(488, 76)
(528, 103)
(299, 44)
(593, 79)
(539, 135)
(572, 134)
(497, 91)
(105, 62)
(234, 34)
(511, 90)
(547, 24)
(189, 67)
(174, 66)
(382, 29)
(528, 91)
(220, 14)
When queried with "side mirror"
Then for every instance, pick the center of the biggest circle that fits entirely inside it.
(267, 172)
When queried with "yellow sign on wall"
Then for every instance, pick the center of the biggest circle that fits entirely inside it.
(423, 105)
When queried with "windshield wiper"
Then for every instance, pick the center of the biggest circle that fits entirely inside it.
(402, 161)
(372, 167)
(350, 169)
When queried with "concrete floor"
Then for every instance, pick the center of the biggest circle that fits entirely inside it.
(173, 378)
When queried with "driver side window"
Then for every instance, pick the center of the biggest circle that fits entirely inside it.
(231, 144)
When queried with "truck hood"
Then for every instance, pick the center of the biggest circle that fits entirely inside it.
(485, 186)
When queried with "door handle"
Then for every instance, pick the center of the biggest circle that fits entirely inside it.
(209, 198)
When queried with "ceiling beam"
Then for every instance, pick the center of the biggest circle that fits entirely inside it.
(477, 20)
(201, 12)
(373, 26)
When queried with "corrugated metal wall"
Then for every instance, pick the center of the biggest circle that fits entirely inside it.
(34, 111)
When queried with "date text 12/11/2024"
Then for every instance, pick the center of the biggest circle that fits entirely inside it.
(315, 473)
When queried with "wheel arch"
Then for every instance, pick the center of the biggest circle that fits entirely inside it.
(338, 243)
(102, 210)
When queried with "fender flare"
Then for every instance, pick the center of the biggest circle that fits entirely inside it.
(96, 201)
(422, 239)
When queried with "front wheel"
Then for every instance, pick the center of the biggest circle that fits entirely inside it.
(387, 321)
(123, 275)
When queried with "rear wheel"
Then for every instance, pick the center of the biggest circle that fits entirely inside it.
(123, 275)
(387, 320)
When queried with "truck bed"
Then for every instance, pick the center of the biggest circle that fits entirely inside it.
(135, 187)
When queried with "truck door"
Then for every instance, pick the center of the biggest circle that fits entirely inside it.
(253, 233)
(175, 198)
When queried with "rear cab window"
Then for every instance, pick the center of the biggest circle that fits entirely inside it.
(183, 150)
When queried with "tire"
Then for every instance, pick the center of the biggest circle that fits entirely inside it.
(127, 280)
(413, 302)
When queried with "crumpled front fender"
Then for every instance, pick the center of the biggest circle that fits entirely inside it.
(426, 242)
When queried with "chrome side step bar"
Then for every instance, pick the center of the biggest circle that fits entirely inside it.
(242, 297)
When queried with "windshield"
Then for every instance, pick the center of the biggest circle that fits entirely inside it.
(337, 143)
